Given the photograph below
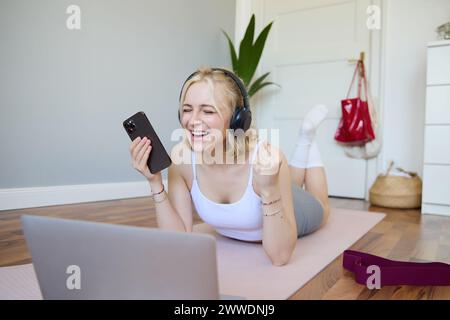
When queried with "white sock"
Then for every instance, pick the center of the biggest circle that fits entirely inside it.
(300, 156)
(314, 159)
(312, 120)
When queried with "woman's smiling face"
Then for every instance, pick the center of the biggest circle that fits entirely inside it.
(199, 116)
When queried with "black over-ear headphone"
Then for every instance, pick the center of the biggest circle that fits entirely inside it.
(242, 116)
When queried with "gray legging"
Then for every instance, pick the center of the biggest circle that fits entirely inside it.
(308, 211)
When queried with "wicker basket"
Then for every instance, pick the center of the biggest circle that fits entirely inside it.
(397, 192)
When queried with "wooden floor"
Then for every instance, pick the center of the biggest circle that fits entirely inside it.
(403, 235)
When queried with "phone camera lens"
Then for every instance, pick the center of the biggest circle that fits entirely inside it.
(130, 126)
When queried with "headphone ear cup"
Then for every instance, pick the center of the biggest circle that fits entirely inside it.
(247, 120)
(233, 121)
(241, 119)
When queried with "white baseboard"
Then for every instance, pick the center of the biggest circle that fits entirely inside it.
(429, 208)
(20, 198)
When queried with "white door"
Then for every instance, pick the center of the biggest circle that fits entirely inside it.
(307, 53)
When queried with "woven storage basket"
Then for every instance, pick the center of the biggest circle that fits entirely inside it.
(397, 192)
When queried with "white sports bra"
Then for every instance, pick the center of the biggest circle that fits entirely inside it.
(239, 220)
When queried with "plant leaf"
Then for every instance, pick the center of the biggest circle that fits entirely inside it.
(245, 53)
(259, 80)
(234, 59)
(254, 89)
(259, 47)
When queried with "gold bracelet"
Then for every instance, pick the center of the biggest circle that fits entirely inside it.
(273, 209)
(164, 199)
(158, 193)
(273, 213)
(269, 203)
(154, 194)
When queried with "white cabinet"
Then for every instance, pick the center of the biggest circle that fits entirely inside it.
(438, 63)
(436, 171)
(437, 145)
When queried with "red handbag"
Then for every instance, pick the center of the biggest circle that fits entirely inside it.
(355, 127)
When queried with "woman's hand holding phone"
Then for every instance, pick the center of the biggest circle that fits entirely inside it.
(140, 151)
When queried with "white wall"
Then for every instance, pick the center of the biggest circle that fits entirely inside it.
(408, 26)
(411, 24)
(64, 93)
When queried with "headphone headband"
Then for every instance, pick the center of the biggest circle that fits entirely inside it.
(231, 75)
(241, 118)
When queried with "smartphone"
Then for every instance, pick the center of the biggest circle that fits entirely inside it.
(138, 125)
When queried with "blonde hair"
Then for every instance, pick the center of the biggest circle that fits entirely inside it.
(229, 90)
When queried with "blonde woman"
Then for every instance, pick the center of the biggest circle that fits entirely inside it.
(247, 200)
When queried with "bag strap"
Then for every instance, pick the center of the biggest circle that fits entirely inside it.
(368, 96)
(364, 80)
(372, 109)
(360, 71)
(396, 272)
(353, 79)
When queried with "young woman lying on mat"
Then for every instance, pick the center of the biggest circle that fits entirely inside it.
(247, 200)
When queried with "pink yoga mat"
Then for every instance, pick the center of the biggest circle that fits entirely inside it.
(246, 271)
(19, 282)
(244, 268)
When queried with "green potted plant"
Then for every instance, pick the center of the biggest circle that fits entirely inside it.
(250, 51)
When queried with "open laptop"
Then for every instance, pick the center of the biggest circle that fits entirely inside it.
(89, 260)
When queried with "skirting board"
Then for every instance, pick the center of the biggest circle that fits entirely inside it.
(21, 198)
(442, 210)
